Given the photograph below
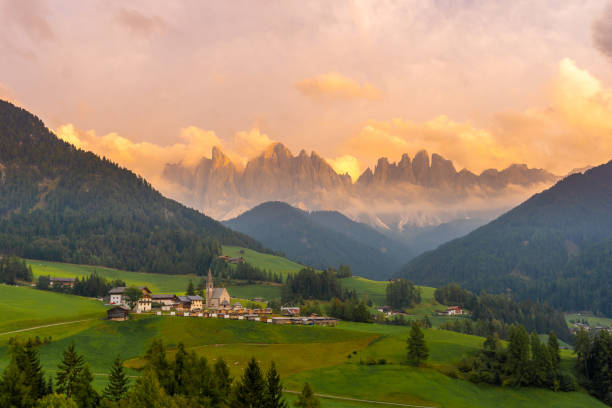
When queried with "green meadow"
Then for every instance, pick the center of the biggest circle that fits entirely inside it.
(24, 307)
(331, 359)
(273, 263)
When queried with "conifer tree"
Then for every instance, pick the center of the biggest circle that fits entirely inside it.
(156, 360)
(33, 371)
(307, 398)
(69, 370)
(223, 380)
(249, 391)
(147, 392)
(274, 389)
(118, 382)
(540, 362)
(190, 289)
(417, 348)
(517, 363)
(555, 352)
(13, 391)
(56, 401)
(83, 393)
(582, 349)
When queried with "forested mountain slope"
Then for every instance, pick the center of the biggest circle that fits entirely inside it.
(556, 247)
(64, 204)
(322, 239)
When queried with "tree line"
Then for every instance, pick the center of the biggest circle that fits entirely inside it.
(188, 381)
(243, 271)
(525, 362)
(494, 313)
(594, 363)
(93, 285)
(401, 293)
(13, 270)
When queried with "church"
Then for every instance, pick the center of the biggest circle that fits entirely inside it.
(216, 297)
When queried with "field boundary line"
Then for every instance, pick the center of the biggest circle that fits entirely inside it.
(44, 326)
(362, 400)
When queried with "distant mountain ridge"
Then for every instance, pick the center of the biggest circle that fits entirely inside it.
(322, 239)
(61, 203)
(556, 247)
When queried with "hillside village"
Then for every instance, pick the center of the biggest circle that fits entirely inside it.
(216, 304)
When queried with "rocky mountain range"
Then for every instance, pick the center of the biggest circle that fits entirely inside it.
(421, 192)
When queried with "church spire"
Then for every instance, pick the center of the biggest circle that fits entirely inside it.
(209, 289)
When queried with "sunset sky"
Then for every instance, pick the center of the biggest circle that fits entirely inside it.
(483, 83)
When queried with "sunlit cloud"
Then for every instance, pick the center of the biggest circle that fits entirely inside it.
(138, 22)
(346, 164)
(574, 130)
(337, 86)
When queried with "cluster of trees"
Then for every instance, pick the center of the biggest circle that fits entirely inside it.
(244, 271)
(594, 363)
(64, 204)
(351, 309)
(88, 286)
(526, 362)
(310, 284)
(402, 293)
(14, 269)
(188, 381)
(344, 271)
(494, 313)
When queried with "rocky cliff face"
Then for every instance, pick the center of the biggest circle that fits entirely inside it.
(217, 187)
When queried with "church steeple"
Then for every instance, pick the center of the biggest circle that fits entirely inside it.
(209, 288)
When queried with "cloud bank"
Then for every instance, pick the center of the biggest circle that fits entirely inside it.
(337, 86)
(602, 31)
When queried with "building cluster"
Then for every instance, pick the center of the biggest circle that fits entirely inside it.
(237, 260)
(216, 304)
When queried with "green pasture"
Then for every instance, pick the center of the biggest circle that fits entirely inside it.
(24, 307)
(593, 320)
(273, 263)
(156, 282)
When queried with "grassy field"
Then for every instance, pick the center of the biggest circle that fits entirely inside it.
(276, 264)
(156, 282)
(319, 355)
(23, 307)
(593, 320)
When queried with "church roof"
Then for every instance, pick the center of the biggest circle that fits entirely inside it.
(218, 292)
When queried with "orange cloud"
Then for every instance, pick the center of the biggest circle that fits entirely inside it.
(346, 164)
(337, 86)
(574, 130)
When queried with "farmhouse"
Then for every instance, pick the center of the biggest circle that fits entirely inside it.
(290, 310)
(117, 297)
(238, 260)
(166, 301)
(454, 310)
(64, 282)
(118, 313)
(190, 303)
(216, 297)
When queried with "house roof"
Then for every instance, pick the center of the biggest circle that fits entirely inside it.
(62, 279)
(196, 297)
(121, 289)
(163, 296)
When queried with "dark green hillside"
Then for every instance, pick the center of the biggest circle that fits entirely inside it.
(320, 240)
(554, 247)
(64, 204)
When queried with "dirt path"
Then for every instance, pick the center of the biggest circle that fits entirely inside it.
(362, 400)
(44, 326)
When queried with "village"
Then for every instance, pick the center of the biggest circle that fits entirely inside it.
(216, 304)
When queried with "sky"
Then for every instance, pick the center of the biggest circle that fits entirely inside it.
(484, 83)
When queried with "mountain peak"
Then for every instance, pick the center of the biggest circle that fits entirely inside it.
(277, 150)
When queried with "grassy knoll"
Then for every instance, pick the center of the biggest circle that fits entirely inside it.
(24, 307)
(276, 264)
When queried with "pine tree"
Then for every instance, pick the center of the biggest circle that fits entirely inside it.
(582, 349)
(223, 380)
(417, 348)
(249, 391)
(69, 370)
(156, 360)
(118, 382)
(274, 389)
(147, 392)
(33, 371)
(555, 352)
(517, 363)
(307, 398)
(83, 393)
(541, 364)
(13, 391)
(190, 289)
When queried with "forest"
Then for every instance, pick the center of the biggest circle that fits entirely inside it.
(64, 204)
(495, 313)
